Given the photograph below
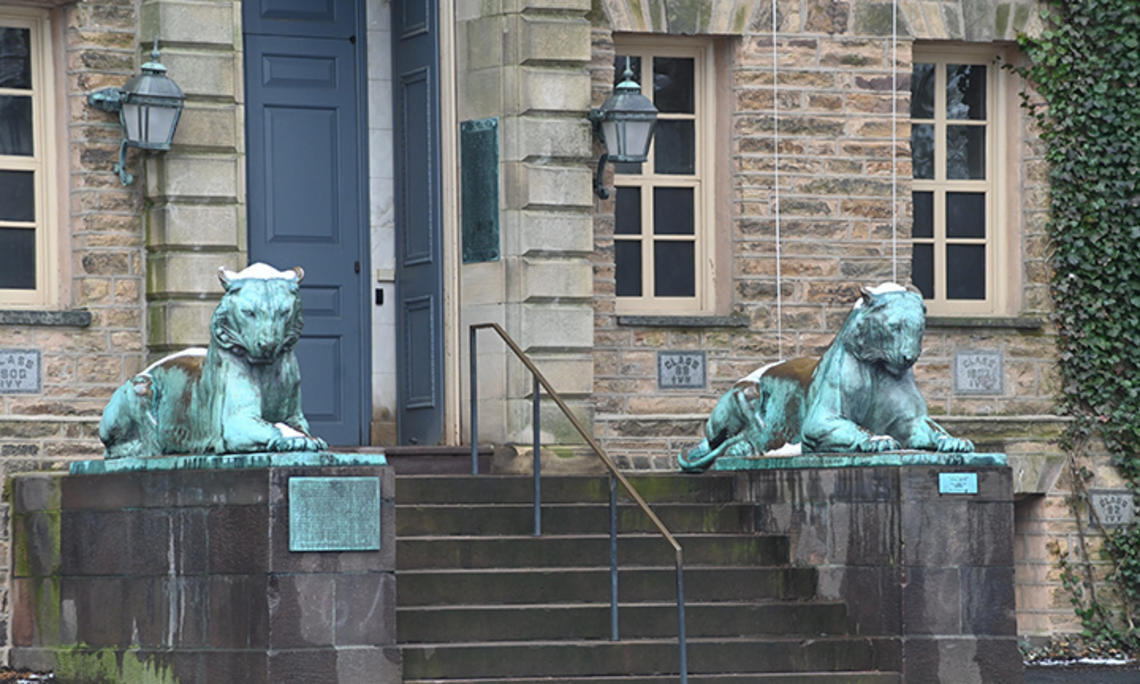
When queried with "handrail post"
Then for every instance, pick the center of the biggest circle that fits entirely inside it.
(474, 404)
(613, 561)
(681, 642)
(536, 419)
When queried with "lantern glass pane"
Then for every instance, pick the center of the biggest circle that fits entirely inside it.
(635, 140)
(160, 127)
(610, 136)
(132, 120)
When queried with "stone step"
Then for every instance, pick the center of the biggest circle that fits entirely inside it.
(432, 489)
(865, 677)
(563, 660)
(586, 585)
(438, 624)
(586, 551)
(562, 518)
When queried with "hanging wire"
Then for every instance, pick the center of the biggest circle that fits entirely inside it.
(894, 141)
(776, 186)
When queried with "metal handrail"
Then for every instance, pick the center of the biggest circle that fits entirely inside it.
(615, 477)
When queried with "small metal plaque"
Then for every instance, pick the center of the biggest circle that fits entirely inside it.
(1114, 508)
(479, 180)
(681, 370)
(20, 371)
(957, 483)
(978, 372)
(334, 514)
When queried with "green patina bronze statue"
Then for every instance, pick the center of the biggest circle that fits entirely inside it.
(859, 397)
(241, 395)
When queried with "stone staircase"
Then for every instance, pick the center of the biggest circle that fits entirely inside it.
(480, 599)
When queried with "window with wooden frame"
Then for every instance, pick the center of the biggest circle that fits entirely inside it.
(663, 214)
(27, 198)
(960, 238)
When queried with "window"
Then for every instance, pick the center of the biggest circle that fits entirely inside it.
(662, 211)
(958, 237)
(26, 160)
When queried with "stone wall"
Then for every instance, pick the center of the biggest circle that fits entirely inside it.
(835, 71)
(522, 63)
(196, 192)
(92, 337)
(835, 124)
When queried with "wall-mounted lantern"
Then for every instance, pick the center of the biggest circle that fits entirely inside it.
(625, 123)
(149, 106)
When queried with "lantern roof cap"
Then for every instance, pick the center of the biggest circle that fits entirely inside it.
(153, 81)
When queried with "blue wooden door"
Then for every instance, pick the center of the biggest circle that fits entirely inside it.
(307, 178)
(419, 274)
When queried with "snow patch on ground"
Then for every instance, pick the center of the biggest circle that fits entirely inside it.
(1081, 661)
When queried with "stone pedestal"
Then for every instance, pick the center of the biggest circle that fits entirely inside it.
(188, 576)
(913, 555)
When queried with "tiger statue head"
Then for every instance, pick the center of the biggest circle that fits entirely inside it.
(885, 328)
(259, 316)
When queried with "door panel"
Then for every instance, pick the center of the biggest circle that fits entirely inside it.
(419, 268)
(306, 168)
(307, 18)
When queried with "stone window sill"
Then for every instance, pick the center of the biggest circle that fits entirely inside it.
(987, 322)
(74, 318)
(699, 321)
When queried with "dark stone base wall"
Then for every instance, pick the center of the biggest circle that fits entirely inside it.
(934, 569)
(187, 576)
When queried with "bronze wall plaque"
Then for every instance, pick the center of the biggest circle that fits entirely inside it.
(334, 514)
(479, 180)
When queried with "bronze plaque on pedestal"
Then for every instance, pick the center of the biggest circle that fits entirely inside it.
(334, 514)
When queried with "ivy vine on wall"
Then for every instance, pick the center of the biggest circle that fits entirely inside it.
(1085, 69)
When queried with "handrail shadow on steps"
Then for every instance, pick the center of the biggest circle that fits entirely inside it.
(615, 478)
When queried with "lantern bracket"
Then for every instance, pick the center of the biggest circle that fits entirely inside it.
(107, 99)
(121, 166)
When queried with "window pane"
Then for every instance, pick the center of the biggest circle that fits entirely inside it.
(922, 92)
(922, 150)
(619, 68)
(15, 61)
(17, 259)
(16, 125)
(966, 271)
(673, 84)
(965, 152)
(922, 269)
(673, 211)
(675, 146)
(626, 167)
(966, 215)
(17, 196)
(923, 214)
(966, 91)
(627, 211)
(674, 269)
(627, 267)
